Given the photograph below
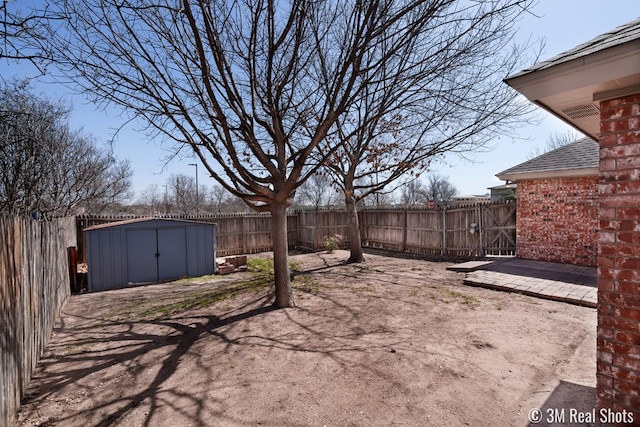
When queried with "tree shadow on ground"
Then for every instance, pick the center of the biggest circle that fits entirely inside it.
(74, 358)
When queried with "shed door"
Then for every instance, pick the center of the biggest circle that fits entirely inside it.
(142, 263)
(156, 254)
(172, 253)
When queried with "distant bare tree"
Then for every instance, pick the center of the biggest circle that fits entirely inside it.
(223, 201)
(556, 140)
(317, 191)
(439, 189)
(48, 169)
(152, 197)
(218, 197)
(413, 192)
(182, 193)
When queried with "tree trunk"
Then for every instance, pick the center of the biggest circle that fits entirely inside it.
(353, 231)
(284, 293)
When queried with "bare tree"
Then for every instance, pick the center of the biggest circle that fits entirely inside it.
(252, 87)
(182, 192)
(45, 167)
(413, 192)
(556, 140)
(152, 197)
(317, 191)
(439, 189)
(438, 92)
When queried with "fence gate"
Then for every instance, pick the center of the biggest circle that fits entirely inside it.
(499, 229)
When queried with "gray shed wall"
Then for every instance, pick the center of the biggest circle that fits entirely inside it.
(122, 254)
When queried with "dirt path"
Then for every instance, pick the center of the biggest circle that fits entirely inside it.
(388, 342)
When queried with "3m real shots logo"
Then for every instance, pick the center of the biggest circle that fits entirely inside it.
(573, 416)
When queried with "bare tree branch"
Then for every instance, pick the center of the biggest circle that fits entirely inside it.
(45, 167)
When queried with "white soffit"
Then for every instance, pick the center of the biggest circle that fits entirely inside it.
(568, 89)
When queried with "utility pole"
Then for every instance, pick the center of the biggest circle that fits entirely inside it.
(197, 198)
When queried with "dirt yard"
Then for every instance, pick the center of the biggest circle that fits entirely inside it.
(389, 342)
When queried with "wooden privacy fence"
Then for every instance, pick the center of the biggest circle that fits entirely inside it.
(477, 230)
(34, 285)
(474, 230)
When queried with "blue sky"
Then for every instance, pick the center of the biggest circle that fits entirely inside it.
(563, 24)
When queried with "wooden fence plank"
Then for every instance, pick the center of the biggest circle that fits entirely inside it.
(34, 285)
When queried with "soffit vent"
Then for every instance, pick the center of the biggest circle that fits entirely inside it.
(581, 111)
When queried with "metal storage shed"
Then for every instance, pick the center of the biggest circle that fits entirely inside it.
(148, 250)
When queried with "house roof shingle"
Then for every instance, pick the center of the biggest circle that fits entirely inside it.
(623, 34)
(582, 154)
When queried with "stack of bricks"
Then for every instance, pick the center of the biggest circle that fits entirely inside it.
(618, 355)
(232, 264)
(558, 220)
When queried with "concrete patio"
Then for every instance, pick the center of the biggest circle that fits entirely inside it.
(560, 282)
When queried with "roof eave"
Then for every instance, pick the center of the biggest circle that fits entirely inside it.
(579, 82)
(563, 173)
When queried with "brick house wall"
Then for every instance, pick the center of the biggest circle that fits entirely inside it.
(618, 354)
(557, 220)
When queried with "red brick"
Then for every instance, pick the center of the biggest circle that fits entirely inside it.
(604, 381)
(628, 338)
(626, 387)
(605, 285)
(628, 251)
(607, 213)
(628, 238)
(619, 324)
(608, 249)
(617, 151)
(628, 137)
(606, 272)
(633, 263)
(629, 313)
(620, 348)
(605, 333)
(626, 362)
(629, 212)
(612, 298)
(603, 356)
(630, 300)
(605, 309)
(618, 200)
(632, 288)
(609, 106)
(618, 384)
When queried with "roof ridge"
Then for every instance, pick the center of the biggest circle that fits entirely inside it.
(580, 154)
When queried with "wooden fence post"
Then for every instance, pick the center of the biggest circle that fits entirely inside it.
(404, 230)
(243, 234)
(480, 231)
(316, 241)
(444, 230)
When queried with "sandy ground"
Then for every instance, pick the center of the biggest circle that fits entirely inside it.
(389, 342)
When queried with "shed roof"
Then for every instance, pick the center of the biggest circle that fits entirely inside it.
(149, 220)
(579, 158)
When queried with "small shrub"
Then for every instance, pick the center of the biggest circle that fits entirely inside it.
(331, 243)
